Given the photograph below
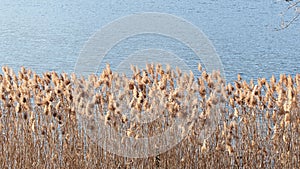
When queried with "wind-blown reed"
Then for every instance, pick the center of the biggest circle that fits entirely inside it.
(39, 126)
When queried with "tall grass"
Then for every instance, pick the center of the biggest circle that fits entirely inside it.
(45, 120)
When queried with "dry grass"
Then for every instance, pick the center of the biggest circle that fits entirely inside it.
(40, 125)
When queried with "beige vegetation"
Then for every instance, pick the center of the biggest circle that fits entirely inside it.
(41, 119)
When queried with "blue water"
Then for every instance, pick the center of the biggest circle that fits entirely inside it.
(48, 35)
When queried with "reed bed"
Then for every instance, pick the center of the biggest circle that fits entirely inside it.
(45, 119)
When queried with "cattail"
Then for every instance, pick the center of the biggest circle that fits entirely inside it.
(107, 117)
(273, 83)
(18, 108)
(229, 149)
(202, 91)
(263, 81)
(130, 133)
(283, 79)
(229, 88)
(33, 126)
(236, 112)
(287, 107)
(210, 83)
(253, 101)
(232, 125)
(245, 121)
(54, 114)
(274, 116)
(239, 77)
(199, 67)
(270, 104)
(111, 106)
(52, 126)
(253, 144)
(290, 94)
(287, 118)
(237, 85)
(204, 147)
(231, 102)
(267, 116)
(124, 119)
(135, 92)
(205, 75)
(173, 96)
(4, 69)
(58, 106)
(285, 139)
(46, 110)
(25, 115)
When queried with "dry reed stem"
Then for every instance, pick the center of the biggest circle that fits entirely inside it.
(40, 128)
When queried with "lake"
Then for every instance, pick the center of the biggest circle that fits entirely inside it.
(49, 35)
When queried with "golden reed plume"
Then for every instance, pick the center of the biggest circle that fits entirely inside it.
(258, 126)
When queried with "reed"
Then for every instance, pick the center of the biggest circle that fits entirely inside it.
(44, 119)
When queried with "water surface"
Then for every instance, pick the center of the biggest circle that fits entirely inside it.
(49, 35)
